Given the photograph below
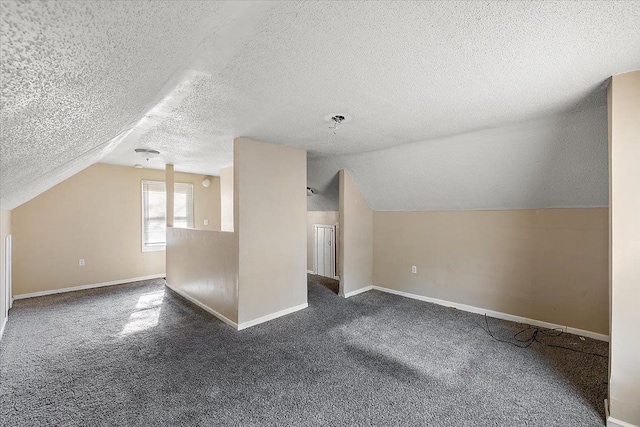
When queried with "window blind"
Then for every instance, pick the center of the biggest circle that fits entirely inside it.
(154, 207)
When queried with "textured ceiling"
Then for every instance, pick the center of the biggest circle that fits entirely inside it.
(83, 81)
(74, 75)
(544, 163)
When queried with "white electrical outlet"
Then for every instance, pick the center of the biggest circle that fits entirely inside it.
(206, 222)
(81, 262)
(414, 269)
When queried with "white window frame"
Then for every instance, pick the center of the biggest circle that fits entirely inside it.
(161, 246)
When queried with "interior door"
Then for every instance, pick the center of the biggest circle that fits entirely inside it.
(324, 250)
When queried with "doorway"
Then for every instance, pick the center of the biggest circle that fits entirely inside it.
(324, 250)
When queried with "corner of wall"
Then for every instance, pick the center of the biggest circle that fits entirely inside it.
(624, 178)
(356, 238)
(5, 294)
(270, 211)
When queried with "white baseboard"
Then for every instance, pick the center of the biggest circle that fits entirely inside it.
(588, 334)
(358, 291)
(496, 314)
(90, 286)
(311, 272)
(230, 322)
(245, 325)
(202, 306)
(612, 422)
(4, 323)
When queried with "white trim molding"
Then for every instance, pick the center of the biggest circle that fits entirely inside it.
(311, 272)
(248, 324)
(612, 422)
(358, 291)
(496, 314)
(89, 286)
(4, 323)
(202, 306)
(230, 322)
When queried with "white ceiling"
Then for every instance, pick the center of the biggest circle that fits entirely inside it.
(559, 161)
(90, 81)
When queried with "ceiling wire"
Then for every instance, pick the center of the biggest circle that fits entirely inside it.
(336, 121)
(331, 137)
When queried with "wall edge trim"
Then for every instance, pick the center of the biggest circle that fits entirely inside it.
(203, 306)
(268, 317)
(614, 422)
(2, 327)
(496, 314)
(358, 291)
(497, 209)
(89, 286)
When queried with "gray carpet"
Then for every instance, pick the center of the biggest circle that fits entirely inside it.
(138, 354)
(327, 282)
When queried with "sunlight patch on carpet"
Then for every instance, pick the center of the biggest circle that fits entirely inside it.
(147, 314)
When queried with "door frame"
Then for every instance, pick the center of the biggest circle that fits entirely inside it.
(333, 249)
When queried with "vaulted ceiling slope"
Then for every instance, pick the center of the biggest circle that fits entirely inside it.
(90, 81)
(559, 161)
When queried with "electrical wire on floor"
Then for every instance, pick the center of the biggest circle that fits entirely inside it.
(524, 340)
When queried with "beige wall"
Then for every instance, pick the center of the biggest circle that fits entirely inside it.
(95, 215)
(270, 219)
(322, 218)
(356, 239)
(624, 181)
(5, 229)
(544, 264)
(226, 199)
(204, 265)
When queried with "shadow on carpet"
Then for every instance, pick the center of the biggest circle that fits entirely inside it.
(327, 282)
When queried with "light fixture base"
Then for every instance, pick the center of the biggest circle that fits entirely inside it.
(147, 153)
(337, 118)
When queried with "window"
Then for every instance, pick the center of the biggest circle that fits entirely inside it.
(154, 208)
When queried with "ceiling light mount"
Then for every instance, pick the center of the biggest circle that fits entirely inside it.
(147, 153)
(336, 120)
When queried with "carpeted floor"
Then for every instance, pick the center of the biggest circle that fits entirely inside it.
(138, 354)
(332, 284)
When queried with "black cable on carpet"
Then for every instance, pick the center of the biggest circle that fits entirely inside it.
(535, 332)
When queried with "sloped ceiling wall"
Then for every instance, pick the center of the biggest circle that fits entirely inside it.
(559, 161)
(75, 75)
(89, 81)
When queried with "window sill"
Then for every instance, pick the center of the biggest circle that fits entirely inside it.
(154, 248)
